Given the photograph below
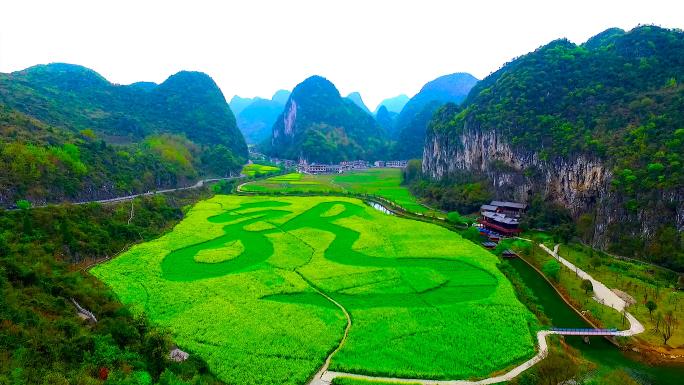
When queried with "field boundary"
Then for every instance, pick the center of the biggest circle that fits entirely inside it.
(326, 364)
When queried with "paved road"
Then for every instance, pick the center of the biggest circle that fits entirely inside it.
(602, 294)
(129, 197)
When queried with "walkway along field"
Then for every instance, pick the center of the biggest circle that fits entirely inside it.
(603, 295)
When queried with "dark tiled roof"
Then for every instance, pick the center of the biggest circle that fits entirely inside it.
(514, 205)
(501, 218)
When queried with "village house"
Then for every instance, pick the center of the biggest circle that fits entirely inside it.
(396, 163)
(287, 163)
(319, 168)
(354, 165)
(502, 217)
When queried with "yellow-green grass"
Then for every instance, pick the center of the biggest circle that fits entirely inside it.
(385, 182)
(255, 169)
(425, 303)
(641, 281)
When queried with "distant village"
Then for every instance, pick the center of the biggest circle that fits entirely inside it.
(324, 168)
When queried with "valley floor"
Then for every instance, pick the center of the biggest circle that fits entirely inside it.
(255, 266)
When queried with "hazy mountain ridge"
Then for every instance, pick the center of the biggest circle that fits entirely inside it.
(394, 104)
(358, 100)
(412, 122)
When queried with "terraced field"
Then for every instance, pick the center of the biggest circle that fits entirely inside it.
(238, 283)
(385, 182)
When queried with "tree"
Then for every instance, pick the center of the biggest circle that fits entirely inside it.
(669, 325)
(658, 321)
(455, 217)
(23, 204)
(587, 286)
(412, 171)
(552, 269)
(651, 306)
(156, 348)
(680, 282)
(585, 227)
(595, 262)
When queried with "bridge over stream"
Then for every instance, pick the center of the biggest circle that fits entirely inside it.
(585, 332)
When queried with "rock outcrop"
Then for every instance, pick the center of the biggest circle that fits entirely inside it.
(580, 183)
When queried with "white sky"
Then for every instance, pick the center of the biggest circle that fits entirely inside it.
(380, 48)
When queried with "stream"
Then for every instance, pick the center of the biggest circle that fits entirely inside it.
(379, 207)
(600, 351)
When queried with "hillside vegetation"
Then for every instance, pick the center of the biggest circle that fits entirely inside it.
(321, 126)
(42, 254)
(617, 98)
(68, 134)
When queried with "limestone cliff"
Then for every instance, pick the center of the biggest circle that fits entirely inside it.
(580, 183)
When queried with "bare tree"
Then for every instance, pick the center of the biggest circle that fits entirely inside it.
(658, 321)
(669, 326)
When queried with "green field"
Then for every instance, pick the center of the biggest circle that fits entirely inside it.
(254, 169)
(385, 182)
(237, 283)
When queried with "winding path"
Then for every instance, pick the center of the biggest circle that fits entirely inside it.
(199, 184)
(602, 294)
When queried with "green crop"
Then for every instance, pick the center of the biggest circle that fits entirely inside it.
(254, 169)
(384, 182)
(237, 282)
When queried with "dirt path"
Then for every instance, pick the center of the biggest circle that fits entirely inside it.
(602, 293)
(318, 377)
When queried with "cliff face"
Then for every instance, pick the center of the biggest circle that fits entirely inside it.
(579, 183)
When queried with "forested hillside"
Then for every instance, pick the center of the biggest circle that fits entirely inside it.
(411, 124)
(43, 340)
(321, 126)
(597, 128)
(68, 134)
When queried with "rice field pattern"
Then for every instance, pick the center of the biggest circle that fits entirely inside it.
(238, 283)
(462, 282)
